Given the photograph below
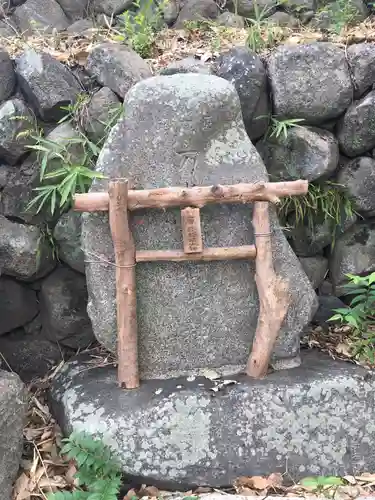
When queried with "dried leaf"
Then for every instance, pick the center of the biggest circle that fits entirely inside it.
(350, 479)
(211, 374)
(260, 483)
(22, 489)
(130, 494)
(275, 480)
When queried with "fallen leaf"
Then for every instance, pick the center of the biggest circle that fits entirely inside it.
(260, 482)
(22, 489)
(130, 495)
(275, 480)
(350, 479)
(211, 374)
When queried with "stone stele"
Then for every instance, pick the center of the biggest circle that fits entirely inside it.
(187, 130)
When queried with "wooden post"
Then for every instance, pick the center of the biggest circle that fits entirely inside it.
(191, 230)
(273, 295)
(125, 285)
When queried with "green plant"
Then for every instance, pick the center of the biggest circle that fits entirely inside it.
(139, 28)
(72, 175)
(261, 33)
(280, 128)
(323, 202)
(360, 315)
(99, 474)
(341, 13)
(66, 167)
(320, 483)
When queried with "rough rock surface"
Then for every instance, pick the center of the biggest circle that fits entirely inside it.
(80, 27)
(310, 81)
(193, 10)
(29, 353)
(63, 303)
(230, 20)
(36, 16)
(111, 7)
(18, 305)
(299, 6)
(308, 241)
(356, 130)
(316, 269)
(361, 59)
(245, 70)
(67, 234)
(187, 130)
(306, 153)
(170, 11)
(13, 406)
(74, 9)
(325, 311)
(12, 145)
(246, 8)
(117, 67)
(187, 65)
(24, 252)
(358, 178)
(283, 19)
(353, 253)
(318, 418)
(47, 84)
(99, 115)
(7, 75)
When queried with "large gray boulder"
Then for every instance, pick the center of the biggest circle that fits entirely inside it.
(100, 113)
(358, 179)
(47, 84)
(353, 253)
(187, 65)
(167, 119)
(361, 60)
(317, 418)
(310, 239)
(15, 118)
(67, 234)
(316, 269)
(299, 6)
(63, 303)
(25, 252)
(7, 75)
(310, 81)
(196, 10)
(28, 353)
(111, 7)
(246, 8)
(230, 20)
(18, 305)
(75, 9)
(13, 407)
(245, 70)
(39, 16)
(117, 66)
(306, 153)
(356, 130)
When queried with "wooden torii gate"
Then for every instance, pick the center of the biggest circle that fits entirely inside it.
(273, 291)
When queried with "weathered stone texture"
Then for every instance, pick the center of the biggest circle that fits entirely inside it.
(318, 419)
(189, 315)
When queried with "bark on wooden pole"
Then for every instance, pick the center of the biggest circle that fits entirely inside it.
(197, 196)
(273, 295)
(207, 254)
(124, 248)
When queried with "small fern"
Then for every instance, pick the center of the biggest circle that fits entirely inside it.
(99, 474)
